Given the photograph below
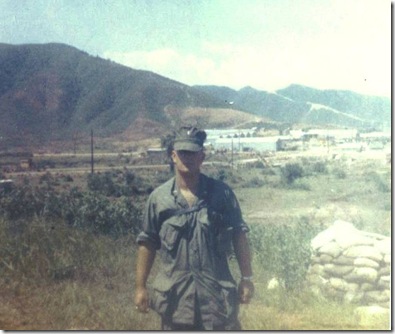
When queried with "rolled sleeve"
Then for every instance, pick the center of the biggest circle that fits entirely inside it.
(152, 239)
(150, 230)
(233, 212)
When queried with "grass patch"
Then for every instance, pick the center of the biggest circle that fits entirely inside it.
(55, 276)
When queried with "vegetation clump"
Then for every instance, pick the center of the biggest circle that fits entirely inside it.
(68, 244)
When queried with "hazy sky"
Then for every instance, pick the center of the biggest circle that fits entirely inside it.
(266, 44)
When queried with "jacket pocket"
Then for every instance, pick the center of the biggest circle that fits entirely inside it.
(171, 233)
(160, 302)
(231, 298)
(224, 305)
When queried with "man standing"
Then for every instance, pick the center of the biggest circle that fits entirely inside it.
(193, 220)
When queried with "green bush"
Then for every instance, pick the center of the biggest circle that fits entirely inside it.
(339, 173)
(87, 210)
(291, 171)
(96, 212)
(117, 184)
(319, 167)
(104, 184)
(222, 175)
(283, 251)
(23, 201)
(379, 181)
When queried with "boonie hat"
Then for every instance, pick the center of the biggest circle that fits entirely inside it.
(189, 138)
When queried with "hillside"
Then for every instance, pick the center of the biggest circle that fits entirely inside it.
(300, 104)
(54, 91)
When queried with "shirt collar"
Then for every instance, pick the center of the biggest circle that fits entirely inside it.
(202, 191)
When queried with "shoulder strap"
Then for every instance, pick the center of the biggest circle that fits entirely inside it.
(201, 204)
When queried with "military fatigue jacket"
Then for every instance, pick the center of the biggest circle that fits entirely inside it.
(193, 244)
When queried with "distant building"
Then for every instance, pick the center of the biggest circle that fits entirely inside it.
(259, 144)
(213, 134)
(337, 134)
(16, 160)
(384, 136)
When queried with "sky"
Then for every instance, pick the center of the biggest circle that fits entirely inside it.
(265, 44)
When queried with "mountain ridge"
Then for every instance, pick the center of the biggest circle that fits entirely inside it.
(54, 91)
(293, 104)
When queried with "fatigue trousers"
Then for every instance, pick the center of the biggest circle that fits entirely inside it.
(169, 325)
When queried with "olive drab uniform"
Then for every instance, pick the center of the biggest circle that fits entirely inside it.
(194, 244)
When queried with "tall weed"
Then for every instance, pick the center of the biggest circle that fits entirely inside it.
(284, 251)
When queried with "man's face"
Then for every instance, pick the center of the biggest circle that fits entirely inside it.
(188, 161)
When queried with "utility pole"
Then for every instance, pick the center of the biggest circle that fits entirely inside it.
(92, 160)
(232, 154)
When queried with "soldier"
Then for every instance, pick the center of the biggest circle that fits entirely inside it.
(192, 221)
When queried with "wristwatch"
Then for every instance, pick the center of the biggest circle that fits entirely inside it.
(247, 278)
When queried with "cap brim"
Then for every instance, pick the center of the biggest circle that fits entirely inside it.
(187, 146)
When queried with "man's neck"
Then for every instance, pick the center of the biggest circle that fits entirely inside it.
(188, 182)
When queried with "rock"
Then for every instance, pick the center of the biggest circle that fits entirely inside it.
(384, 282)
(364, 251)
(323, 238)
(353, 287)
(316, 269)
(332, 248)
(386, 279)
(356, 239)
(338, 284)
(344, 260)
(273, 284)
(337, 270)
(367, 287)
(338, 228)
(315, 259)
(385, 271)
(325, 258)
(365, 262)
(353, 296)
(376, 296)
(351, 265)
(362, 275)
(385, 304)
(334, 293)
(387, 293)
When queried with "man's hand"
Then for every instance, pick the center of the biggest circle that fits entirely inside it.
(141, 300)
(246, 291)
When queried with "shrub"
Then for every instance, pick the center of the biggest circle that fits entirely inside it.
(339, 173)
(48, 179)
(96, 212)
(68, 178)
(283, 251)
(23, 201)
(222, 175)
(88, 210)
(291, 171)
(103, 183)
(319, 167)
(378, 180)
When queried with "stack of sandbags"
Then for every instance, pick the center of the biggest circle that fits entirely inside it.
(351, 265)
